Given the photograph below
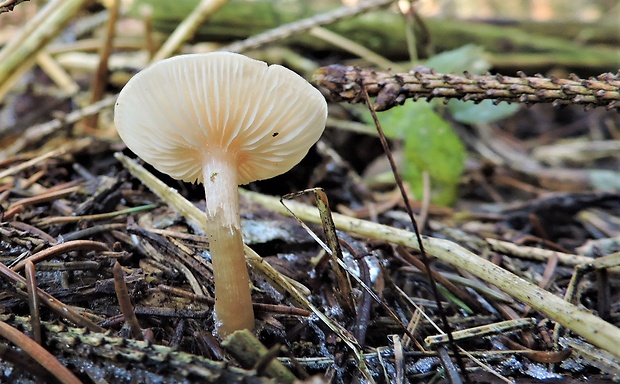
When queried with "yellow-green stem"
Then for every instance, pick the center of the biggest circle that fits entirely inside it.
(233, 301)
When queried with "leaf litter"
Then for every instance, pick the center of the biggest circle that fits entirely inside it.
(531, 239)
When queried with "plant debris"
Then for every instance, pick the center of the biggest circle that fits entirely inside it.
(105, 270)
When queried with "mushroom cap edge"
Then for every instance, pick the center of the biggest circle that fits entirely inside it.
(176, 111)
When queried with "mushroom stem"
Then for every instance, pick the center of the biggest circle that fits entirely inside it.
(233, 301)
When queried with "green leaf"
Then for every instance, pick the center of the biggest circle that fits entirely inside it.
(468, 112)
(469, 58)
(431, 145)
(398, 121)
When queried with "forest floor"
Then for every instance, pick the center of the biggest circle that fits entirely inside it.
(528, 251)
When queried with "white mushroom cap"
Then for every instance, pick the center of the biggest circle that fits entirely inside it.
(175, 112)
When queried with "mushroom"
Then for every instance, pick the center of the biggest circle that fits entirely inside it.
(221, 119)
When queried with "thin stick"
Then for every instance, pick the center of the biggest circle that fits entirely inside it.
(27, 164)
(39, 354)
(410, 37)
(146, 13)
(37, 132)
(125, 302)
(57, 73)
(98, 216)
(353, 47)
(27, 30)
(425, 259)
(50, 301)
(19, 205)
(9, 5)
(426, 199)
(59, 249)
(37, 33)
(300, 26)
(33, 302)
(260, 307)
(457, 291)
(100, 80)
(188, 27)
(16, 75)
(33, 230)
(52, 194)
(533, 253)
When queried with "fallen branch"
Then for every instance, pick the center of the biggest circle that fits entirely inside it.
(344, 83)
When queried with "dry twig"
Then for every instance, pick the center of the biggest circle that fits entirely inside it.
(125, 302)
(188, 27)
(9, 5)
(101, 78)
(33, 302)
(60, 308)
(36, 34)
(391, 89)
(39, 354)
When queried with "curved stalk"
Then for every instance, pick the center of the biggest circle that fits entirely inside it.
(233, 301)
